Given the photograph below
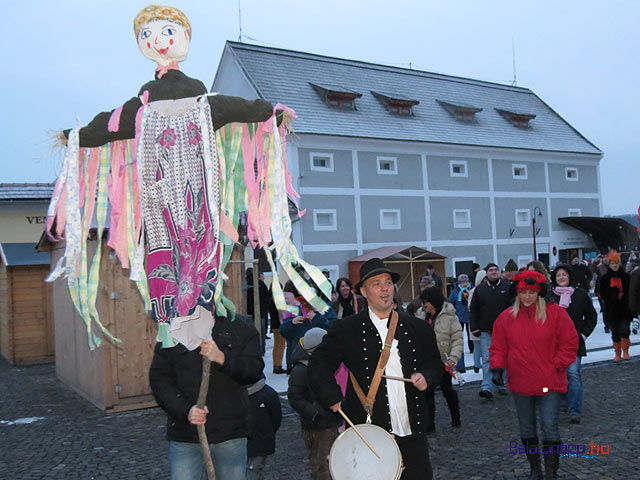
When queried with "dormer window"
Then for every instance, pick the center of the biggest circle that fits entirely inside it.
(517, 119)
(337, 96)
(460, 111)
(396, 104)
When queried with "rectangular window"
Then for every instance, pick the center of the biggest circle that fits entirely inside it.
(571, 174)
(334, 272)
(523, 217)
(575, 212)
(462, 218)
(390, 220)
(519, 171)
(523, 260)
(458, 168)
(324, 219)
(462, 265)
(322, 162)
(387, 165)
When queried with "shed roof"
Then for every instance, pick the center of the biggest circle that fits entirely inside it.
(404, 252)
(14, 254)
(606, 232)
(287, 76)
(26, 191)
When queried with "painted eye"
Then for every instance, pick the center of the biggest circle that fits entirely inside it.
(168, 31)
(145, 34)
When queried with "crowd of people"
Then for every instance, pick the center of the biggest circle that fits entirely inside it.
(375, 359)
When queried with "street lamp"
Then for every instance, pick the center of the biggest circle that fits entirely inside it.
(533, 224)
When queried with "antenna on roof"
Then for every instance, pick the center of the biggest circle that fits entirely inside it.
(239, 22)
(514, 82)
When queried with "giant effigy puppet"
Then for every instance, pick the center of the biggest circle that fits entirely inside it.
(169, 173)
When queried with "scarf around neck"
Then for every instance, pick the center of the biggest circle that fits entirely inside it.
(565, 295)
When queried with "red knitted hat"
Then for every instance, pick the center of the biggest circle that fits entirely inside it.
(529, 280)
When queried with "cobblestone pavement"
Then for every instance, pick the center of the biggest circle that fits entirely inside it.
(75, 440)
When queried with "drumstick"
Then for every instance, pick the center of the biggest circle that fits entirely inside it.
(357, 431)
(402, 379)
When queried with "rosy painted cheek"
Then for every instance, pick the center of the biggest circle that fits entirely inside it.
(148, 45)
(171, 42)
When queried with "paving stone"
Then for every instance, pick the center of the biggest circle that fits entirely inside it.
(75, 440)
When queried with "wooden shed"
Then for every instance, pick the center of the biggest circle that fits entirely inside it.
(114, 376)
(26, 320)
(409, 261)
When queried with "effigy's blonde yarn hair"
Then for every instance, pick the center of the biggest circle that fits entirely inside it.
(160, 12)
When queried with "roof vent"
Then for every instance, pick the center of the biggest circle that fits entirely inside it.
(396, 104)
(337, 96)
(460, 111)
(517, 119)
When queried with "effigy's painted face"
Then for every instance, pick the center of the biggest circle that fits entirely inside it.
(164, 41)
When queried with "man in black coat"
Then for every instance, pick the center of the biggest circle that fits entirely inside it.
(357, 340)
(580, 273)
(175, 376)
(489, 300)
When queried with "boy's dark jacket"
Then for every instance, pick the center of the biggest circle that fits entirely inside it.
(266, 416)
(313, 416)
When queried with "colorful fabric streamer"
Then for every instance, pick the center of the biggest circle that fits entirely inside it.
(180, 188)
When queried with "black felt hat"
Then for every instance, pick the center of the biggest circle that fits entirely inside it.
(371, 268)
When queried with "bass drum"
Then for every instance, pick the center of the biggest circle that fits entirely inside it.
(351, 459)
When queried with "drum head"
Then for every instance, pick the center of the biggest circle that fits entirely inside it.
(351, 459)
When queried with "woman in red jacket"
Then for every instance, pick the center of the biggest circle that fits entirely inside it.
(535, 342)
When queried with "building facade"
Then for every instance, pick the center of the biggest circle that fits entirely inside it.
(23, 211)
(390, 156)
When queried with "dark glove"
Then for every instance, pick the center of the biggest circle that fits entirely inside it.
(497, 377)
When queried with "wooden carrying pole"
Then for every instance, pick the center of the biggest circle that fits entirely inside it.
(202, 434)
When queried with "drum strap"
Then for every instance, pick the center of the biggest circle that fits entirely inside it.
(369, 400)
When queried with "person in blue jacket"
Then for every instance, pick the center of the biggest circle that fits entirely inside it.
(295, 325)
(459, 298)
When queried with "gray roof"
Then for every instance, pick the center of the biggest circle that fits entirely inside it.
(14, 254)
(26, 191)
(285, 76)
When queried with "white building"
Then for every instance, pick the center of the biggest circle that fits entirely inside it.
(391, 156)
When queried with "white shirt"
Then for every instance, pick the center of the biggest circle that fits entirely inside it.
(395, 389)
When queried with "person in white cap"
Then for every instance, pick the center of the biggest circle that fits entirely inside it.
(319, 425)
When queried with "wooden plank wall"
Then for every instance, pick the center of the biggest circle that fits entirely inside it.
(31, 305)
(76, 365)
(130, 360)
(6, 332)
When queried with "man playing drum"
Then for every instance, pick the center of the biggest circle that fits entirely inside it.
(397, 406)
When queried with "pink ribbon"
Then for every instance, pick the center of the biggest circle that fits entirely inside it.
(162, 69)
(114, 119)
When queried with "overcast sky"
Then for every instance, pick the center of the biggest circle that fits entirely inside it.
(66, 61)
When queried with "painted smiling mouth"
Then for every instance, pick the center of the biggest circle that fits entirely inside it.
(162, 51)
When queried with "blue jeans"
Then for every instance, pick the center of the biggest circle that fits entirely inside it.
(574, 388)
(229, 460)
(484, 344)
(477, 355)
(526, 411)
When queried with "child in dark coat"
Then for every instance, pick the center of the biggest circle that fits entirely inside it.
(266, 416)
(319, 425)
